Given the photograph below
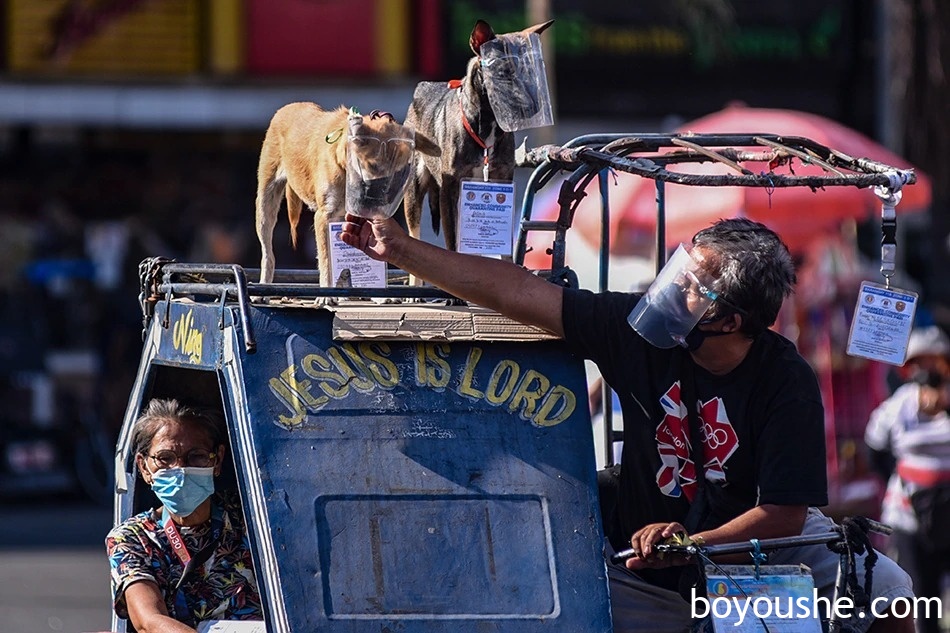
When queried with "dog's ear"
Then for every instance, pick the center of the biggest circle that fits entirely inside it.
(426, 145)
(480, 34)
(538, 28)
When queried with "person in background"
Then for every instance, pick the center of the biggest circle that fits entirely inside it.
(909, 440)
(694, 352)
(189, 560)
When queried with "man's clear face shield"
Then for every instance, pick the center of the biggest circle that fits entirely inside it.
(377, 173)
(675, 302)
(513, 71)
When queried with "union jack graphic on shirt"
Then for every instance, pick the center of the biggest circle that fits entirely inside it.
(677, 473)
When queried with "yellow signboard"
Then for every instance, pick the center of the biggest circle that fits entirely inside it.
(104, 37)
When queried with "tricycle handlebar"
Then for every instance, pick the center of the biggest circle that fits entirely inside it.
(750, 546)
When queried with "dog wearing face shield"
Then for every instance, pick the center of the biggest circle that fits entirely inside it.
(335, 162)
(467, 124)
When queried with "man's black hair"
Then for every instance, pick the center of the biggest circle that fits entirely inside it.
(755, 270)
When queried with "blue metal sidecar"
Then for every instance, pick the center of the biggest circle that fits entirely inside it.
(408, 467)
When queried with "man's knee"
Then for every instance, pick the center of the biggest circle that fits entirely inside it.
(892, 596)
(887, 578)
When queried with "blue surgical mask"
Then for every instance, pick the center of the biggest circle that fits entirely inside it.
(182, 490)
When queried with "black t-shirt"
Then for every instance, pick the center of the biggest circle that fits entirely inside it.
(763, 422)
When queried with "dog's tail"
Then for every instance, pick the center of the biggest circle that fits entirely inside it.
(294, 206)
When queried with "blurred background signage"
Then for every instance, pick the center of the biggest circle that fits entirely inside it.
(623, 59)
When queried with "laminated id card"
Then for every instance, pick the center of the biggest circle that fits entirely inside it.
(350, 267)
(485, 217)
(779, 598)
(883, 318)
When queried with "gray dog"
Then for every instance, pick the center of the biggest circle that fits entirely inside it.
(457, 116)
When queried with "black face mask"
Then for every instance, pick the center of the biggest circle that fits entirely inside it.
(696, 337)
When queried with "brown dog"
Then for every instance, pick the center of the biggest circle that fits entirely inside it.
(304, 159)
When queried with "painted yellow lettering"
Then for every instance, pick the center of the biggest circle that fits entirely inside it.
(438, 371)
(468, 374)
(529, 391)
(502, 381)
(181, 330)
(187, 339)
(302, 389)
(556, 407)
(357, 378)
(195, 343)
(384, 371)
(318, 368)
(420, 364)
(291, 401)
(296, 396)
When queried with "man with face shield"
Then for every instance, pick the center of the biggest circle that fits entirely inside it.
(699, 354)
(680, 298)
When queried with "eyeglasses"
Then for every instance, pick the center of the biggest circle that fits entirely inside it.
(197, 458)
(690, 284)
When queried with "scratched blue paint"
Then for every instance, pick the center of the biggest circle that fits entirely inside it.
(406, 486)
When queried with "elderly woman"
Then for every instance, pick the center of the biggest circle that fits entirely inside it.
(189, 560)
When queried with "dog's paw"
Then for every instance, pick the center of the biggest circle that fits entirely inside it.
(325, 301)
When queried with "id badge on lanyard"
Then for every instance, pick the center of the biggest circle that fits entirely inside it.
(486, 217)
(884, 314)
(883, 318)
(190, 562)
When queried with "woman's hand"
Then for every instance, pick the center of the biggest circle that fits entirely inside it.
(644, 542)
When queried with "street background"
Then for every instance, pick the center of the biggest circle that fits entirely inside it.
(53, 571)
(131, 129)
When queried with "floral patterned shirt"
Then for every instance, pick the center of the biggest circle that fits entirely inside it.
(224, 588)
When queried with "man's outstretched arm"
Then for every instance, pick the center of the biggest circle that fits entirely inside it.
(499, 285)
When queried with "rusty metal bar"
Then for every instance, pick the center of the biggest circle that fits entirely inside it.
(805, 157)
(719, 158)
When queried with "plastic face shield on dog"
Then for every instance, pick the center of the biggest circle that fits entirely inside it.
(377, 173)
(517, 86)
(675, 302)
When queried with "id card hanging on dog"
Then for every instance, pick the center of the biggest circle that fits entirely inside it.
(883, 318)
(485, 217)
(351, 267)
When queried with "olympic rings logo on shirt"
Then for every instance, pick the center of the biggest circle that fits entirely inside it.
(714, 437)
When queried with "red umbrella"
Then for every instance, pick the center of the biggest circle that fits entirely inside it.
(796, 213)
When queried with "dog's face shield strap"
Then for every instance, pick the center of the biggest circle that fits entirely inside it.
(377, 173)
(515, 79)
(675, 302)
